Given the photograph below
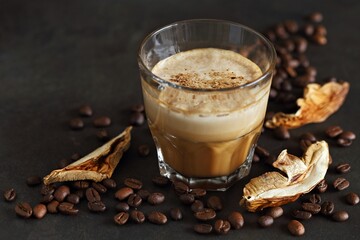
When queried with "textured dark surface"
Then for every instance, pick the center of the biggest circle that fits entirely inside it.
(58, 55)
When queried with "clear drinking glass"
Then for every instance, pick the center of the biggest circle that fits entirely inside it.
(207, 147)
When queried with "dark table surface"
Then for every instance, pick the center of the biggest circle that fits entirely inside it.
(57, 55)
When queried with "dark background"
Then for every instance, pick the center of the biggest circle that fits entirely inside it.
(57, 55)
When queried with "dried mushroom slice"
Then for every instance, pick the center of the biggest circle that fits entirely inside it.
(318, 104)
(97, 165)
(274, 189)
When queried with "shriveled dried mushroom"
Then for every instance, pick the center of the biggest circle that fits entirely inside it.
(97, 165)
(318, 104)
(274, 189)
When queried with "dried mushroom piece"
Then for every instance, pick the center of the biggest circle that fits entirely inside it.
(274, 189)
(318, 104)
(97, 165)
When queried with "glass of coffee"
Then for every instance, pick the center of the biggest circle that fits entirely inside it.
(206, 85)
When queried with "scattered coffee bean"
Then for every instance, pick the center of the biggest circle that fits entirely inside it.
(10, 195)
(304, 144)
(61, 193)
(291, 26)
(348, 135)
(81, 184)
(99, 187)
(327, 208)
(73, 198)
(80, 193)
(180, 187)
(122, 207)
(134, 200)
(352, 198)
(137, 216)
(39, 211)
(309, 136)
(47, 198)
(133, 183)
(303, 215)
(265, 221)
(322, 186)
(85, 111)
(96, 206)
(156, 198)
(52, 207)
(121, 218)
(296, 228)
(160, 181)
(275, 212)
(341, 184)
(23, 209)
(262, 152)
(343, 168)
(315, 17)
(109, 183)
(138, 108)
(187, 198)
(198, 192)
(157, 217)
(333, 131)
(205, 214)
(67, 208)
(103, 135)
(144, 150)
(320, 30)
(282, 133)
(92, 195)
(203, 228)
(144, 194)
(197, 206)
(313, 208)
(176, 214)
(137, 119)
(102, 121)
(315, 198)
(222, 226)
(309, 29)
(76, 124)
(47, 189)
(236, 220)
(342, 142)
(214, 202)
(33, 181)
(340, 216)
(123, 193)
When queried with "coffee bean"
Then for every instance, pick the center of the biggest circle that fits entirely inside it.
(313, 208)
(320, 30)
(343, 168)
(97, 206)
(296, 228)
(343, 142)
(348, 135)
(205, 214)
(144, 150)
(265, 221)
(273, 94)
(222, 226)
(134, 200)
(275, 212)
(39, 211)
(85, 111)
(176, 214)
(10, 195)
(99, 187)
(180, 187)
(47, 198)
(282, 133)
(203, 228)
(303, 215)
(61, 193)
(76, 124)
(157, 218)
(214, 202)
(315, 198)
(187, 198)
(341, 184)
(122, 207)
(67, 208)
(137, 216)
(256, 158)
(23, 209)
(102, 121)
(280, 31)
(327, 208)
(309, 136)
(322, 186)
(33, 181)
(198, 192)
(270, 35)
(144, 194)
(156, 198)
(75, 156)
(102, 135)
(340, 216)
(301, 46)
(92, 195)
(80, 193)
(160, 181)
(73, 198)
(52, 206)
(319, 39)
(352, 198)
(137, 119)
(236, 220)
(81, 184)
(333, 131)
(197, 206)
(133, 183)
(138, 108)
(291, 26)
(109, 183)
(262, 152)
(315, 17)
(123, 193)
(121, 218)
(47, 189)
(308, 29)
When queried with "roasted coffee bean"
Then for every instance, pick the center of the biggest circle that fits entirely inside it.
(315, 198)
(187, 198)
(123, 193)
(289, 45)
(144, 150)
(341, 184)
(156, 198)
(102, 135)
(85, 111)
(76, 124)
(280, 31)
(75, 156)
(23, 209)
(304, 61)
(47, 198)
(273, 94)
(137, 119)
(304, 144)
(102, 121)
(275, 212)
(92, 195)
(80, 193)
(33, 181)
(270, 35)
(52, 206)
(262, 152)
(327, 208)
(308, 29)
(180, 187)
(348, 135)
(99, 187)
(282, 133)
(137, 216)
(160, 181)
(197, 206)
(176, 214)
(320, 30)
(67, 208)
(10, 195)
(322, 186)
(144, 194)
(313, 208)
(291, 26)
(291, 71)
(73, 198)
(315, 17)
(39, 211)
(303, 215)
(122, 207)
(61, 193)
(121, 218)
(352, 198)
(64, 162)
(319, 39)
(205, 214)
(265, 221)
(333, 131)
(97, 206)
(340, 216)
(256, 158)
(47, 189)
(343, 168)
(133, 183)
(296, 228)
(222, 226)
(138, 108)
(203, 228)
(198, 192)
(157, 218)
(214, 202)
(342, 142)
(301, 46)
(109, 183)
(309, 136)
(236, 220)
(81, 184)
(134, 200)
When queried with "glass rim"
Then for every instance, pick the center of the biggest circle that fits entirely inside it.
(264, 75)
